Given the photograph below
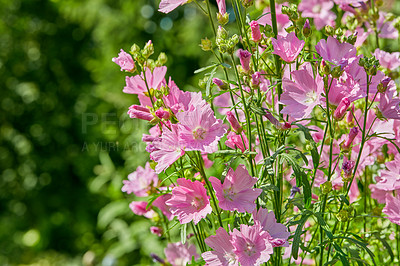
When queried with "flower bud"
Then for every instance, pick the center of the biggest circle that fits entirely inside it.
(162, 59)
(247, 3)
(337, 72)
(347, 170)
(255, 31)
(158, 231)
(223, 18)
(148, 49)
(341, 108)
(234, 123)
(382, 86)
(352, 38)
(326, 187)
(329, 30)
(244, 57)
(324, 68)
(222, 85)
(256, 79)
(293, 192)
(162, 114)
(134, 49)
(343, 216)
(353, 133)
(206, 44)
(137, 111)
(307, 29)
(222, 34)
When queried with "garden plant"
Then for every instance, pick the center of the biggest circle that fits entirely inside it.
(288, 152)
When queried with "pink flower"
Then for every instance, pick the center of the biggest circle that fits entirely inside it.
(125, 61)
(353, 133)
(139, 208)
(189, 201)
(282, 20)
(334, 51)
(277, 231)
(388, 60)
(251, 245)
(221, 7)
(141, 181)
(320, 11)
(255, 31)
(386, 28)
(223, 249)
(178, 100)
(199, 129)
(158, 231)
(137, 85)
(237, 192)
(390, 179)
(244, 57)
(389, 105)
(234, 122)
(167, 6)
(288, 48)
(341, 109)
(160, 203)
(167, 149)
(140, 112)
(301, 96)
(179, 254)
(392, 208)
(236, 141)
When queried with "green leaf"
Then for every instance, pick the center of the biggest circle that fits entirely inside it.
(386, 245)
(226, 65)
(314, 150)
(297, 235)
(205, 68)
(344, 199)
(211, 75)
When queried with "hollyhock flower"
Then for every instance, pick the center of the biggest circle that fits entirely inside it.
(302, 95)
(125, 61)
(189, 201)
(236, 141)
(389, 105)
(392, 208)
(333, 51)
(345, 87)
(167, 6)
(341, 109)
(140, 112)
(141, 181)
(222, 253)
(179, 254)
(244, 57)
(165, 209)
(167, 149)
(200, 130)
(139, 208)
(255, 31)
(288, 48)
(237, 192)
(251, 245)
(320, 11)
(137, 85)
(277, 231)
(387, 60)
(385, 28)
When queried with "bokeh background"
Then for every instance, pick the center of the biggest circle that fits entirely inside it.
(66, 142)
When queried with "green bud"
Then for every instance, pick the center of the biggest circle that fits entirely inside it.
(148, 49)
(159, 103)
(158, 94)
(223, 19)
(268, 31)
(343, 216)
(206, 44)
(134, 49)
(329, 30)
(361, 62)
(294, 15)
(326, 187)
(247, 3)
(162, 58)
(165, 90)
(339, 32)
(285, 10)
(337, 72)
(222, 34)
(352, 39)
(203, 83)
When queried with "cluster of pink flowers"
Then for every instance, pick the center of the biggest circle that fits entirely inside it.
(346, 103)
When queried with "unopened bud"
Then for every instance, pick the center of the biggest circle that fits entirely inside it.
(134, 49)
(255, 31)
(234, 123)
(341, 108)
(329, 30)
(343, 216)
(324, 68)
(307, 29)
(222, 85)
(223, 18)
(206, 44)
(326, 187)
(148, 49)
(162, 59)
(352, 134)
(222, 33)
(244, 57)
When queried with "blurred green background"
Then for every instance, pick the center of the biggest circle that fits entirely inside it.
(66, 142)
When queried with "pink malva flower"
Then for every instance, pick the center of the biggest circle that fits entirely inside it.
(139, 208)
(333, 51)
(178, 100)
(388, 60)
(199, 130)
(179, 254)
(255, 31)
(288, 48)
(319, 10)
(141, 181)
(251, 245)
(137, 85)
(386, 28)
(302, 95)
(223, 249)
(277, 231)
(390, 179)
(282, 20)
(167, 6)
(392, 208)
(389, 104)
(235, 141)
(165, 209)
(189, 201)
(167, 149)
(237, 192)
(125, 61)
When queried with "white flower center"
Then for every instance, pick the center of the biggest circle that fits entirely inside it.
(311, 97)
